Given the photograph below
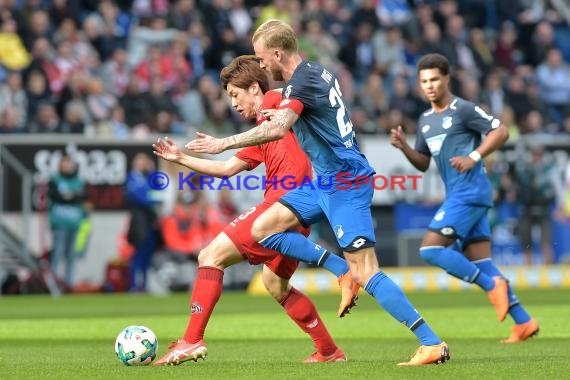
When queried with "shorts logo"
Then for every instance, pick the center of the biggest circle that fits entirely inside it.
(439, 216)
(447, 231)
(359, 242)
(195, 308)
(447, 122)
(339, 231)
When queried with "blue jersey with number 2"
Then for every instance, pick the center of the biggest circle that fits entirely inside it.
(324, 129)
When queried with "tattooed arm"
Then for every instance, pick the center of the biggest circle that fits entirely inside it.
(281, 121)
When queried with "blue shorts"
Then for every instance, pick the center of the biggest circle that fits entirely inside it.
(457, 220)
(348, 212)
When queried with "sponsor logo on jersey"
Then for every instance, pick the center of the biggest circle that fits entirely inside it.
(447, 122)
(435, 143)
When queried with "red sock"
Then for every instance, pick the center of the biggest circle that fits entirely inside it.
(302, 310)
(206, 293)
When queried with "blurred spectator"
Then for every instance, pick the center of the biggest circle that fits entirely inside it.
(192, 225)
(133, 102)
(46, 120)
(537, 186)
(553, 78)
(277, 9)
(401, 99)
(505, 52)
(67, 209)
(150, 32)
(9, 121)
(13, 94)
(13, 53)
(507, 117)
(190, 105)
(372, 97)
(482, 52)
(115, 73)
(393, 12)
(389, 53)
(143, 229)
(325, 46)
(358, 52)
(227, 206)
(493, 94)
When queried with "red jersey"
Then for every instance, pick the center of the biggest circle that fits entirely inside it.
(283, 158)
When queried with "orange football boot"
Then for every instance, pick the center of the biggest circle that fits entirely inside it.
(522, 332)
(349, 293)
(499, 297)
(436, 354)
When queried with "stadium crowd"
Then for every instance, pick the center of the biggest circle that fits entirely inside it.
(130, 68)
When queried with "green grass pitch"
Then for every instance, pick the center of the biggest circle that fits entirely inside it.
(251, 338)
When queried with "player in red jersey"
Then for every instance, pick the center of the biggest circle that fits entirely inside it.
(247, 85)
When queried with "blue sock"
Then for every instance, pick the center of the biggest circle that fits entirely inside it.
(517, 312)
(297, 246)
(394, 301)
(457, 265)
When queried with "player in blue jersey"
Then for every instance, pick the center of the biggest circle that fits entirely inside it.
(314, 107)
(458, 237)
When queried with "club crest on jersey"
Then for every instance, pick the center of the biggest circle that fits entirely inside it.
(439, 216)
(339, 231)
(287, 91)
(447, 122)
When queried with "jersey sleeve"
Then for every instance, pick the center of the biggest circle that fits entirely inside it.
(476, 119)
(251, 155)
(300, 93)
(421, 145)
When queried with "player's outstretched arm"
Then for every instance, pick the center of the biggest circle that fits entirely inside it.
(168, 150)
(270, 130)
(419, 160)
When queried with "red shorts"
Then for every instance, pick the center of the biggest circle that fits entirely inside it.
(239, 231)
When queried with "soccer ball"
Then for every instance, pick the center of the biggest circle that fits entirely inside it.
(136, 345)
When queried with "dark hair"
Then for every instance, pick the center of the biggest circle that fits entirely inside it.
(243, 71)
(434, 61)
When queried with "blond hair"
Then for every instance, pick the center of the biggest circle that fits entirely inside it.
(276, 34)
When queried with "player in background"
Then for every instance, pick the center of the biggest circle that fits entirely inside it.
(458, 237)
(246, 83)
(313, 106)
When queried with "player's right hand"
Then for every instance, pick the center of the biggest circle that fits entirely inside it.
(166, 149)
(398, 137)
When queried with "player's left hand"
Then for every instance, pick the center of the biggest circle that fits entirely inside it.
(462, 164)
(204, 143)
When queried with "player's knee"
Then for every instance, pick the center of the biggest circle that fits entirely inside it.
(259, 230)
(275, 290)
(208, 258)
(431, 254)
